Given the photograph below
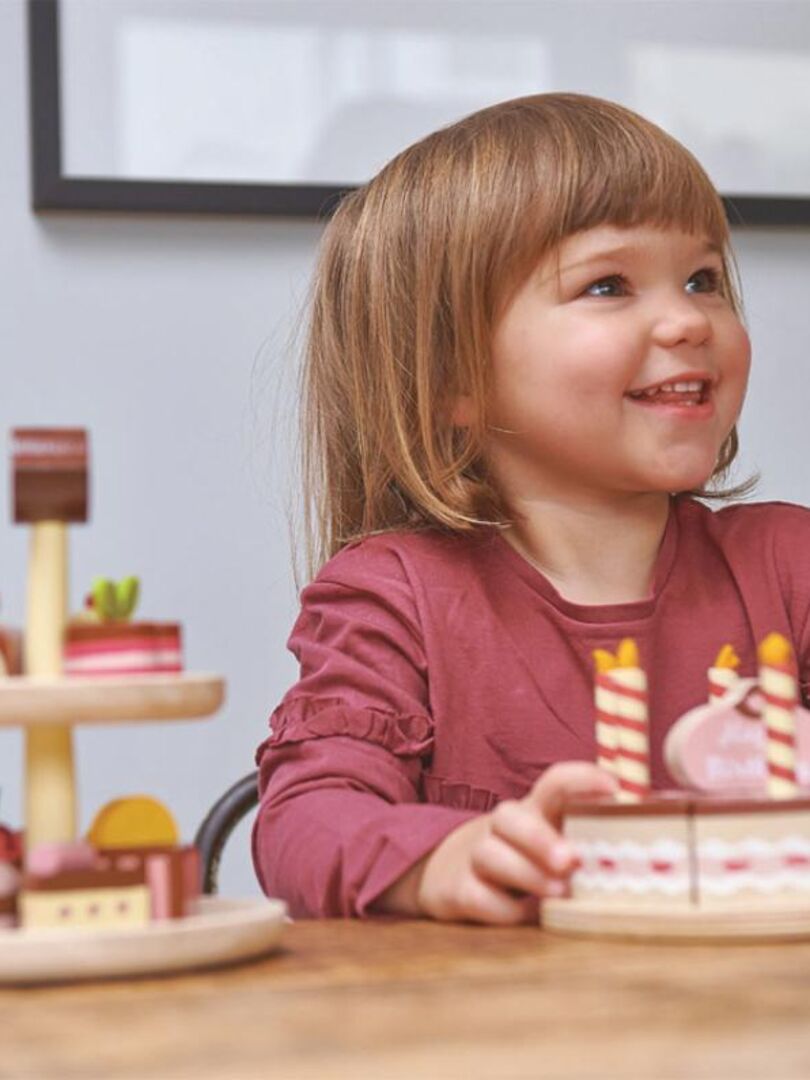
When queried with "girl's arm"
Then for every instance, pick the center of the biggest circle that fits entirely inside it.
(342, 814)
(339, 822)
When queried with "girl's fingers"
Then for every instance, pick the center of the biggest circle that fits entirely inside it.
(519, 825)
(482, 901)
(494, 869)
(566, 781)
(504, 865)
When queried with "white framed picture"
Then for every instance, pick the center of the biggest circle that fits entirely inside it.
(279, 106)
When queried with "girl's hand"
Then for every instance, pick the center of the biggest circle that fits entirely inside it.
(496, 868)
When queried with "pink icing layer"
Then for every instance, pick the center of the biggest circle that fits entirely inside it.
(47, 859)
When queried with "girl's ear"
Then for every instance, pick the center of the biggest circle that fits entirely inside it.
(463, 411)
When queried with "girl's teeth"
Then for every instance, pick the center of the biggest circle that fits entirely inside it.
(692, 387)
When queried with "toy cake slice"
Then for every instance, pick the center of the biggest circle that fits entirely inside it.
(129, 871)
(695, 852)
(104, 640)
(64, 886)
(123, 649)
(640, 853)
(755, 850)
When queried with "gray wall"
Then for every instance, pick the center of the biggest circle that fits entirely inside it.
(168, 339)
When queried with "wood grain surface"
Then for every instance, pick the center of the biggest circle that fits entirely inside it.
(407, 999)
(30, 701)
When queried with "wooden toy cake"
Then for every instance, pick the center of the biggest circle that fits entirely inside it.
(726, 855)
(104, 640)
(124, 898)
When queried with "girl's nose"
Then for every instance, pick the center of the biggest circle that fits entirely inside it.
(681, 321)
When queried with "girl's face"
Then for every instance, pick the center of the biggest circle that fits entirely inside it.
(623, 374)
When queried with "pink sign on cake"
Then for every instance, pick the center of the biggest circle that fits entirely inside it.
(721, 747)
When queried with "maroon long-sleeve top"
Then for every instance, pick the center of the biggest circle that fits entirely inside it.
(441, 674)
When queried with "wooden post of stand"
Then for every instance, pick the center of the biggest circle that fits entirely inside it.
(50, 490)
(50, 799)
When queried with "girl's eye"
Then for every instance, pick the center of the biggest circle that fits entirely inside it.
(705, 280)
(708, 278)
(608, 286)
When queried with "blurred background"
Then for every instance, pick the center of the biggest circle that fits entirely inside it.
(173, 337)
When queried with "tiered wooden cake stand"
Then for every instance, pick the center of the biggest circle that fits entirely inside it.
(218, 932)
(50, 470)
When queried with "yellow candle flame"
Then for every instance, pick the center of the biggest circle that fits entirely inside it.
(627, 653)
(604, 661)
(775, 649)
(727, 658)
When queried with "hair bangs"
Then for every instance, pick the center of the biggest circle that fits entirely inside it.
(646, 180)
(577, 163)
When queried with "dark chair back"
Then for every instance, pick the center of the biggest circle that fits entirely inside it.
(221, 820)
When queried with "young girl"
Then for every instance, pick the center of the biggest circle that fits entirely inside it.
(525, 360)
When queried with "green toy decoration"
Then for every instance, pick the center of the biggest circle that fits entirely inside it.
(114, 601)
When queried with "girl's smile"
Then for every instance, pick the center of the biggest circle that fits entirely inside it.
(689, 396)
(620, 365)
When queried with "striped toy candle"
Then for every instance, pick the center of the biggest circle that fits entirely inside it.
(629, 682)
(779, 689)
(607, 733)
(723, 673)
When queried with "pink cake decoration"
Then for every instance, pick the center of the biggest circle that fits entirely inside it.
(727, 747)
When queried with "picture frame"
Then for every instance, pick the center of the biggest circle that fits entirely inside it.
(55, 187)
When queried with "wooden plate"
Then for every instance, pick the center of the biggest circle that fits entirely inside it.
(220, 932)
(738, 922)
(27, 701)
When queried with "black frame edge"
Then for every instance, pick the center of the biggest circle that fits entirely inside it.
(44, 104)
(774, 210)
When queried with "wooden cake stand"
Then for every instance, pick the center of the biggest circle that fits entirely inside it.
(217, 932)
(739, 921)
(26, 701)
(50, 470)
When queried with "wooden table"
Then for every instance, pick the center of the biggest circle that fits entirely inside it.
(393, 999)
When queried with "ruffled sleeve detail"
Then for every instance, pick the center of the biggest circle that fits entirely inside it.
(458, 794)
(303, 719)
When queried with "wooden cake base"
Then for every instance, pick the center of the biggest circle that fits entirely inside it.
(220, 932)
(740, 922)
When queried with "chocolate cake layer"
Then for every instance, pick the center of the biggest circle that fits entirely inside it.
(50, 474)
(708, 804)
(679, 802)
(69, 880)
(661, 802)
(81, 632)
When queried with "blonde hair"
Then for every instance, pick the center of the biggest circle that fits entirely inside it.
(415, 269)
